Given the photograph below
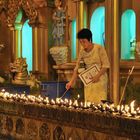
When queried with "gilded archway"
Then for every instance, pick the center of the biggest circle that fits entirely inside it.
(12, 8)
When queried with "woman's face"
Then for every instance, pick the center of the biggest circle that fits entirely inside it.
(85, 43)
(57, 3)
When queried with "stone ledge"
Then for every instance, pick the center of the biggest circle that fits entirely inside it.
(93, 121)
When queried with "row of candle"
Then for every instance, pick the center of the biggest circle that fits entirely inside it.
(123, 110)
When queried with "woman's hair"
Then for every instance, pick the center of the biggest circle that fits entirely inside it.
(85, 34)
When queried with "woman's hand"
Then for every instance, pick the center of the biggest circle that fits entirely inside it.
(68, 85)
(95, 79)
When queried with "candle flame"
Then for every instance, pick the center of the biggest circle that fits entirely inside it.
(78, 96)
(132, 104)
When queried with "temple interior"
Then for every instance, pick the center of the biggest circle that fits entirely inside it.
(37, 61)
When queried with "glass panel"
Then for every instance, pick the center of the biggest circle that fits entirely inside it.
(128, 35)
(27, 44)
(97, 26)
(73, 40)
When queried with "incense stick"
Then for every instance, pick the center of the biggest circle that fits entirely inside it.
(64, 94)
(130, 72)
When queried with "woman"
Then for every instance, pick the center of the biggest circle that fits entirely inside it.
(92, 54)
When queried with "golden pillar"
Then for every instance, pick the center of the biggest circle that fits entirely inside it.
(40, 50)
(81, 18)
(17, 48)
(13, 56)
(35, 50)
(116, 50)
(67, 26)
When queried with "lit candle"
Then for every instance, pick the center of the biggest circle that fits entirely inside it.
(46, 101)
(70, 103)
(78, 96)
(118, 108)
(138, 111)
(112, 108)
(132, 109)
(61, 102)
(6, 95)
(81, 104)
(66, 102)
(52, 102)
(85, 105)
(38, 100)
(58, 102)
(31, 98)
(127, 111)
(75, 104)
(24, 99)
(93, 106)
(107, 108)
(88, 104)
(17, 97)
(40, 97)
(99, 107)
(122, 111)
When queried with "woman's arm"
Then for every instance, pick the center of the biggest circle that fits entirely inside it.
(75, 73)
(97, 77)
(72, 81)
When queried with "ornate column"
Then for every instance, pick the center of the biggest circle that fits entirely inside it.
(40, 43)
(12, 34)
(81, 19)
(112, 26)
(35, 50)
(115, 52)
(40, 51)
(18, 41)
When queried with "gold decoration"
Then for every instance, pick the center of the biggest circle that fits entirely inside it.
(19, 71)
(30, 10)
(3, 5)
(12, 8)
(33, 82)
